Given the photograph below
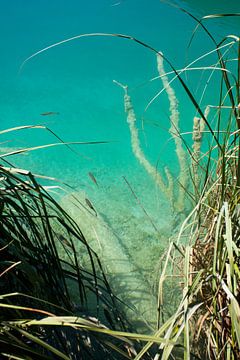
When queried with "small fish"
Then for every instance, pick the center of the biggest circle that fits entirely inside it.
(64, 240)
(90, 205)
(50, 113)
(92, 177)
(118, 3)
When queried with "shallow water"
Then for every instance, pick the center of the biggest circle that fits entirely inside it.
(75, 81)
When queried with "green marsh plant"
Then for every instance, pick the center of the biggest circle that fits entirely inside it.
(205, 325)
(38, 282)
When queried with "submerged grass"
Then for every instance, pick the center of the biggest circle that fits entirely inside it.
(39, 318)
(208, 317)
(37, 282)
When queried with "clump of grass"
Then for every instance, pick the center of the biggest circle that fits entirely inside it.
(206, 323)
(37, 282)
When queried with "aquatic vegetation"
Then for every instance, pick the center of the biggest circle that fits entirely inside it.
(135, 142)
(177, 199)
(208, 315)
(79, 316)
(37, 281)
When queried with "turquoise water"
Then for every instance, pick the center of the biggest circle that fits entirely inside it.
(75, 81)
